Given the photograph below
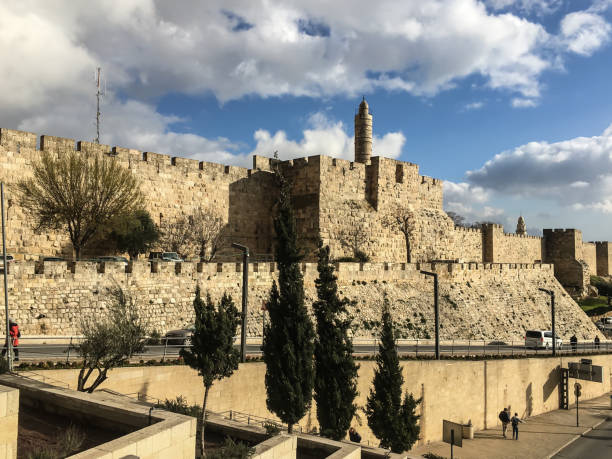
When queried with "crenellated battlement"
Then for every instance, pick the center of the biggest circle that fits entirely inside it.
(17, 140)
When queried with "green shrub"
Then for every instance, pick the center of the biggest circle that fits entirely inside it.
(232, 450)
(272, 429)
(43, 452)
(361, 256)
(71, 440)
(180, 405)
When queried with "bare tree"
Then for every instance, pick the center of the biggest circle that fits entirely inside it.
(79, 193)
(176, 236)
(199, 234)
(458, 220)
(402, 219)
(354, 238)
(207, 233)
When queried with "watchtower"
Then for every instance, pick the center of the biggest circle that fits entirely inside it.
(363, 134)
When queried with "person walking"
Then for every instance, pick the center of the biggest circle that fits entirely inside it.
(597, 342)
(354, 435)
(574, 343)
(515, 422)
(15, 334)
(504, 417)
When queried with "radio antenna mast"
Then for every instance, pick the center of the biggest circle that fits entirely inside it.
(98, 94)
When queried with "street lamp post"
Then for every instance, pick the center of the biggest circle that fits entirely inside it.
(436, 311)
(245, 297)
(552, 308)
(9, 344)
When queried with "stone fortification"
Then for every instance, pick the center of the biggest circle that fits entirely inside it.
(477, 301)
(603, 252)
(348, 204)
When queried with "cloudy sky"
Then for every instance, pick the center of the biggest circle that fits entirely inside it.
(508, 101)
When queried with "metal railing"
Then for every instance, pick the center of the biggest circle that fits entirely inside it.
(64, 348)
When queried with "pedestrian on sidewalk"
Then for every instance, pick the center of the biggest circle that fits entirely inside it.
(515, 422)
(15, 334)
(504, 417)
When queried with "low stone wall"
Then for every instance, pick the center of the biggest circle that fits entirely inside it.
(456, 390)
(477, 301)
(152, 435)
(9, 413)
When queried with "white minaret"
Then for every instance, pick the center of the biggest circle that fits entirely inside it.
(363, 134)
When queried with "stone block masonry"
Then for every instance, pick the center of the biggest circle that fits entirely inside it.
(477, 301)
(347, 204)
(9, 413)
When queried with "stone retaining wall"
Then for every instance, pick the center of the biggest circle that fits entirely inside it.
(477, 301)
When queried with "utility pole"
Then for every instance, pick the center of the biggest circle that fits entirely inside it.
(436, 311)
(245, 297)
(552, 311)
(5, 269)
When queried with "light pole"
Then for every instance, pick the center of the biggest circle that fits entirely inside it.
(245, 297)
(436, 311)
(9, 343)
(552, 308)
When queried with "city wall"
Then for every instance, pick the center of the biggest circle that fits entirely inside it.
(477, 301)
(348, 204)
(460, 391)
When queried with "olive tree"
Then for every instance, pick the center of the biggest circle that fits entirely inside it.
(79, 194)
(109, 339)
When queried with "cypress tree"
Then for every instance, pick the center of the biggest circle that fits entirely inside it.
(212, 350)
(394, 423)
(336, 371)
(288, 342)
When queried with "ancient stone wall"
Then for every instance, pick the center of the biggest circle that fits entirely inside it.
(563, 247)
(172, 187)
(502, 247)
(604, 257)
(589, 255)
(477, 301)
(467, 244)
(349, 205)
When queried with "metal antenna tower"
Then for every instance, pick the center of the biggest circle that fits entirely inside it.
(98, 94)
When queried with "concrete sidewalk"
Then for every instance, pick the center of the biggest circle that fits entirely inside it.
(540, 436)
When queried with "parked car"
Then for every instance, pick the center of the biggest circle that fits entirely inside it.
(181, 336)
(541, 339)
(605, 323)
(114, 259)
(165, 256)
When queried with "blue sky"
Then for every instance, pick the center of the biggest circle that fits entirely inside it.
(508, 101)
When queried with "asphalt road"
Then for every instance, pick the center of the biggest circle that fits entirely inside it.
(60, 351)
(597, 444)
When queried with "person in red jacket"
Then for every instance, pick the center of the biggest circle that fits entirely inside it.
(15, 335)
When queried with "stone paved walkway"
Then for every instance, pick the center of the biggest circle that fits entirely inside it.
(540, 436)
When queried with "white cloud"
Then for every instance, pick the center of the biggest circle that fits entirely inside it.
(537, 6)
(473, 106)
(324, 137)
(148, 49)
(151, 48)
(584, 33)
(471, 202)
(518, 102)
(575, 172)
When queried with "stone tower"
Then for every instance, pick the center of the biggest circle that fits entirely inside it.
(520, 226)
(363, 134)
